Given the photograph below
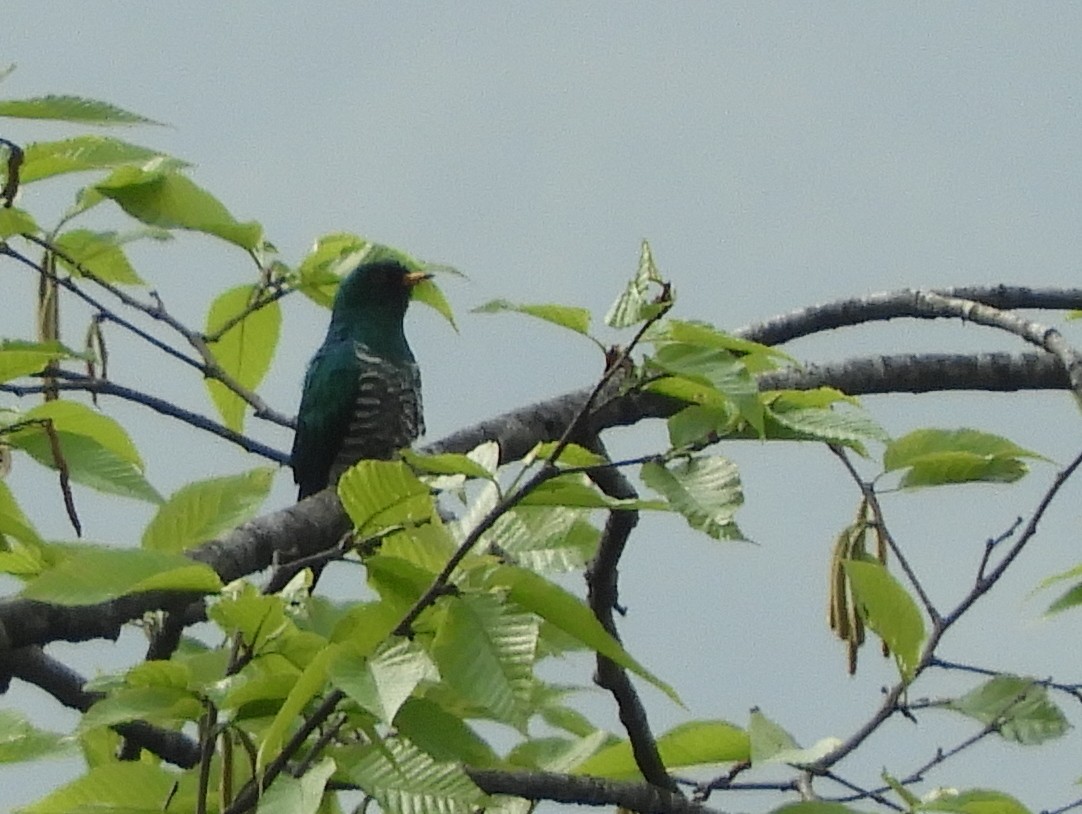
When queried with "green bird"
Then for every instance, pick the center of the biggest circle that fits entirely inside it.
(362, 391)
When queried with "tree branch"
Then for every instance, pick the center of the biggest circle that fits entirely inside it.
(583, 790)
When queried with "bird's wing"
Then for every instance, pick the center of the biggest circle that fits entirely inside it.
(330, 390)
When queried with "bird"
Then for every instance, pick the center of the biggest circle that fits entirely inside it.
(362, 388)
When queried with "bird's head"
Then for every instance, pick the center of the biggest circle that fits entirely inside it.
(372, 299)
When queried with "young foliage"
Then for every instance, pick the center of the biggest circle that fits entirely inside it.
(887, 609)
(938, 457)
(201, 510)
(89, 575)
(248, 330)
(1019, 709)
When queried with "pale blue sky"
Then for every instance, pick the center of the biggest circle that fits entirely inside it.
(775, 155)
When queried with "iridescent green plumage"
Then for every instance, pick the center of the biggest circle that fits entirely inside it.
(362, 391)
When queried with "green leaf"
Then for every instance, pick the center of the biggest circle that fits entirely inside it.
(1019, 708)
(200, 511)
(15, 221)
(298, 795)
(485, 652)
(815, 807)
(698, 424)
(705, 490)
(21, 741)
(380, 494)
(321, 270)
(258, 618)
(634, 305)
(13, 522)
(755, 356)
(92, 575)
(430, 294)
(975, 801)
(311, 682)
(696, 743)
(574, 319)
(545, 538)
(404, 780)
(45, 159)
(89, 463)
(936, 457)
(570, 455)
(99, 253)
(383, 683)
(767, 739)
(96, 449)
(721, 369)
(442, 735)
(447, 463)
(20, 358)
(70, 109)
(889, 610)
(575, 490)
(571, 615)
(129, 787)
(852, 427)
(245, 351)
(163, 197)
(156, 704)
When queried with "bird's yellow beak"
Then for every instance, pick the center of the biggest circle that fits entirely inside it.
(412, 278)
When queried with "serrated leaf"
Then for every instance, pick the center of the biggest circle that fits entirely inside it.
(311, 682)
(130, 787)
(721, 369)
(157, 704)
(634, 304)
(13, 521)
(815, 807)
(245, 351)
(849, 426)
(446, 463)
(1019, 707)
(173, 201)
(405, 780)
(298, 795)
(78, 419)
(756, 356)
(696, 743)
(21, 358)
(321, 270)
(937, 457)
(70, 109)
(200, 511)
(15, 221)
(442, 735)
(379, 494)
(92, 575)
(699, 423)
(95, 448)
(575, 490)
(485, 652)
(382, 683)
(45, 159)
(705, 490)
(99, 253)
(570, 455)
(766, 738)
(565, 316)
(545, 539)
(21, 741)
(975, 801)
(430, 294)
(571, 615)
(889, 610)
